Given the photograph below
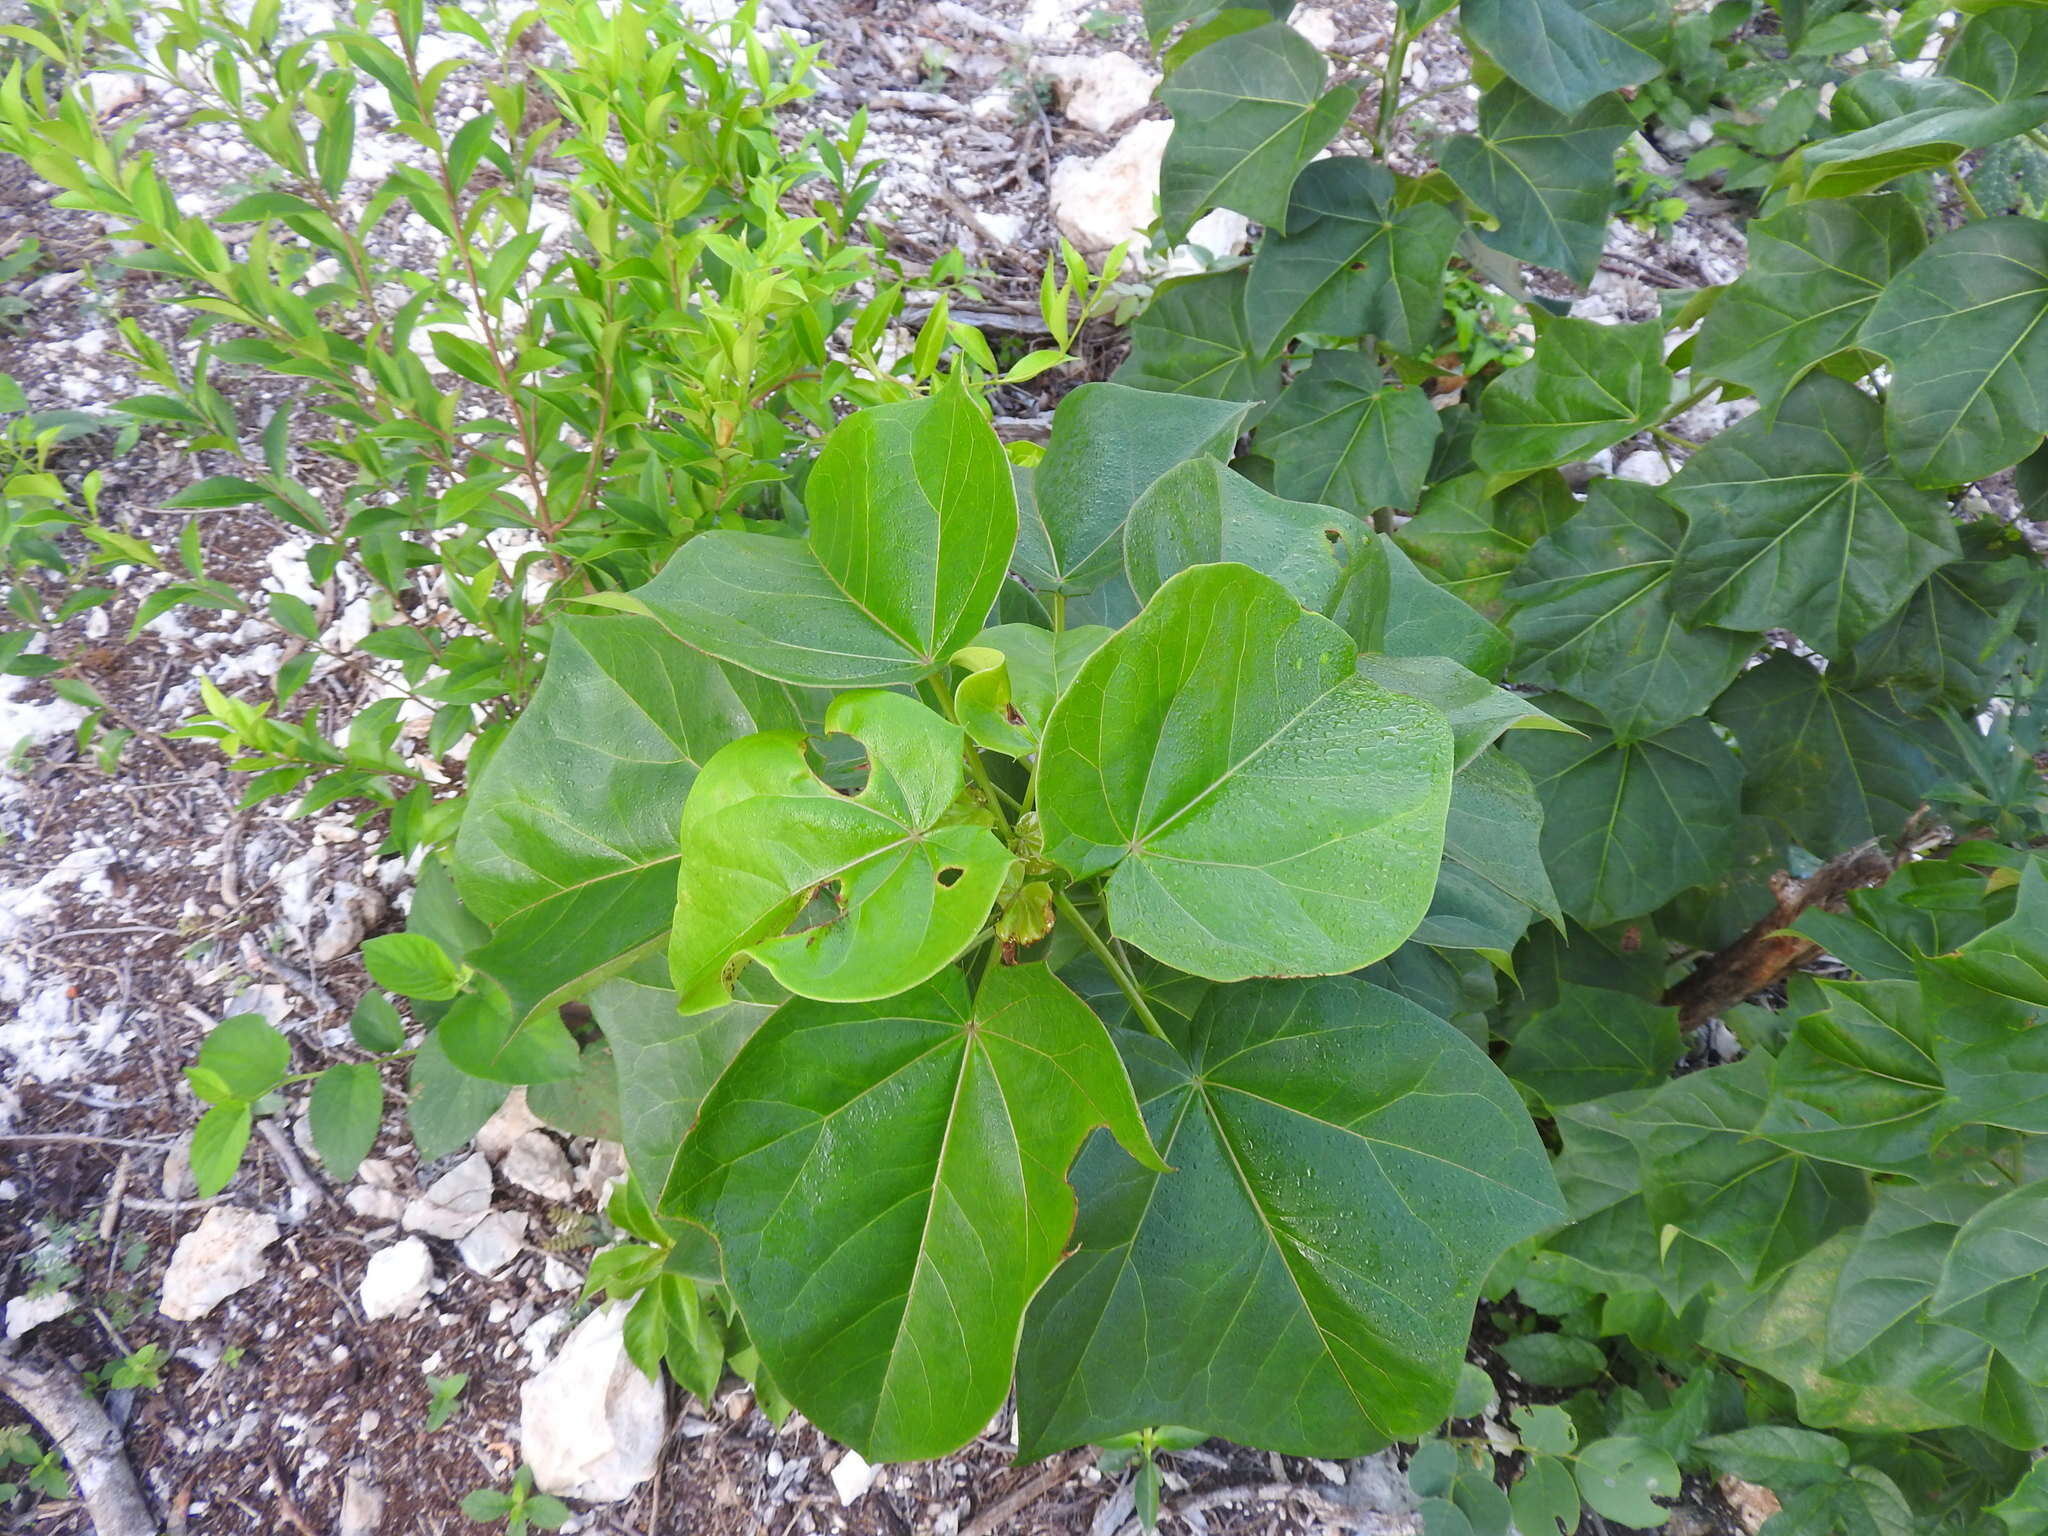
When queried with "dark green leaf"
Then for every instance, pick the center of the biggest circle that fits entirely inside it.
(586, 1104)
(1567, 51)
(1857, 1082)
(1363, 1275)
(1193, 339)
(887, 1184)
(1591, 1043)
(447, 1106)
(1955, 639)
(1777, 1456)
(376, 1024)
(1258, 807)
(1472, 541)
(346, 1112)
(1554, 1359)
(1492, 884)
(1994, 1282)
(1423, 619)
(1922, 138)
(2003, 52)
(1344, 435)
(1588, 386)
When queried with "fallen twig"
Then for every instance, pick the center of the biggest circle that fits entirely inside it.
(992, 1518)
(52, 1395)
(294, 1166)
(1767, 953)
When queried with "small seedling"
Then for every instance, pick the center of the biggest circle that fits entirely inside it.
(446, 1393)
(519, 1506)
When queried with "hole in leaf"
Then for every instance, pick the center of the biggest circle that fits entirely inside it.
(950, 876)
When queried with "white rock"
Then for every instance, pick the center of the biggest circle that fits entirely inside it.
(590, 1424)
(1101, 93)
(1098, 202)
(113, 91)
(396, 1279)
(222, 1255)
(176, 1181)
(26, 1312)
(378, 1172)
(607, 1166)
(537, 1164)
(374, 1204)
(993, 107)
(1646, 466)
(1006, 229)
(1316, 24)
(512, 1121)
(453, 1203)
(559, 1276)
(852, 1477)
(493, 1242)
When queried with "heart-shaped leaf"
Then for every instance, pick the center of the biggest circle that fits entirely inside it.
(1110, 445)
(1567, 51)
(1815, 271)
(1587, 387)
(2002, 51)
(761, 833)
(1547, 176)
(887, 1183)
(1801, 521)
(1259, 808)
(1965, 328)
(1316, 1189)
(1193, 339)
(1248, 113)
(913, 519)
(1351, 262)
(1591, 615)
(1345, 435)
(568, 847)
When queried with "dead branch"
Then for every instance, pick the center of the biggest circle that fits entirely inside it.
(1767, 953)
(52, 1395)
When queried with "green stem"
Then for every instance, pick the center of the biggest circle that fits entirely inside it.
(977, 770)
(1962, 185)
(1388, 109)
(1118, 972)
(1059, 613)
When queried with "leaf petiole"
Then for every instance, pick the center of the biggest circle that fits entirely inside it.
(1118, 971)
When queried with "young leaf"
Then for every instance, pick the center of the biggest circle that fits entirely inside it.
(1622, 1478)
(412, 965)
(1801, 521)
(1345, 435)
(1815, 271)
(1567, 51)
(1363, 1275)
(1018, 673)
(1587, 387)
(1628, 825)
(1110, 445)
(217, 1144)
(243, 1057)
(1249, 112)
(1591, 615)
(346, 1111)
(1259, 808)
(1965, 328)
(568, 847)
(887, 1183)
(1350, 262)
(912, 523)
(1194, 339)
(1547, 176)
(761, 831)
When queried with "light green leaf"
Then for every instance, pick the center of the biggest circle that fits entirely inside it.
(1016, 674)
(1201, 512)
(1110, 445)
(1546, 1428)
(1994, 1282)
(1592, 1043)
(887, 1184)
(1567, 51)
(1831, 766)
(1248, 113)
(912, 518)
(1628, 825)
(2025, 1510)
(1545, 1499)
(1587, 387)
(1492, 884)
(1193, 339)
(1473, 541)
(1591, 615)
(244, 1057)
(1480, 712)
(1363, 1277)
(1547, 176)
(1963, 328)
(218, 1141)
(568, 845)
(1622, 1478)
(412, 965)
(346, 1112)
(1815, 271)
(1259, 808)
(1801, 522)
(761, 832)
(1344, 435)
(1350, 263)
(1923, 139)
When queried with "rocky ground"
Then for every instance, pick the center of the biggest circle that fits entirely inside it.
(300, 1325)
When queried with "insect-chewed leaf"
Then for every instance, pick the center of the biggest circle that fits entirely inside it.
(1568, 51)
(568, 848)
(1587, 387)
(1249, 112)
(1346, 435)
(1110, 445)
(1015, 674)
(1193, 339)
(913, 519)
(1965, 328)
(1815, 270)
(1259, 808)
(1591, 615)
(887, 1184)
(1802, 522)
(761, 832)
(1350, 262)
(1547, 176)
(1346, 1168)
